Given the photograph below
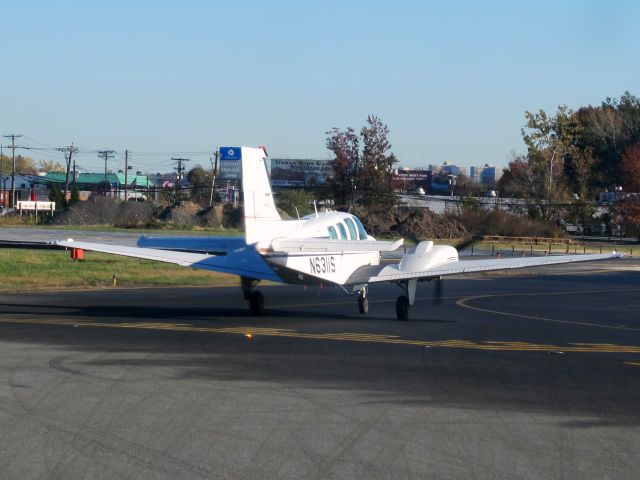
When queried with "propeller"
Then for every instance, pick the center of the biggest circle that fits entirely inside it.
(437, 288)
(437, 291)
(458, 246)
(467, 243)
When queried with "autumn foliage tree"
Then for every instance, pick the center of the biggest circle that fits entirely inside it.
(377, 164)
(345, 146)
(365, 174)
(628, 208)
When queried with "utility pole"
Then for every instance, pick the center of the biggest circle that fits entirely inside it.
(126, 171)
(105, 155)
(13, 168)
(180, 176)
(3, 185)
(214, 169)
(68, 153)
(75, 176)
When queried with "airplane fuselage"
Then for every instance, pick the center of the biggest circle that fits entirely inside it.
(312, 267)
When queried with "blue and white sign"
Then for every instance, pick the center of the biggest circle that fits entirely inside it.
(230, 153)
(230, 167)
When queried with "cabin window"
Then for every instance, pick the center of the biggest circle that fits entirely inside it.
(343, 231)
(352, 228)
(361, 231)
(332, 233)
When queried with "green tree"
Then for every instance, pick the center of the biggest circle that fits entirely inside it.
(296, 202)
(55, 195)
(199, 184)
(75, 195)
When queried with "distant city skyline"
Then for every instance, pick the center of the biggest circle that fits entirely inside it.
(452, 81)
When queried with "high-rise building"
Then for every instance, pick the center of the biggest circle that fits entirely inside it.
(486, 175)
(448, 168)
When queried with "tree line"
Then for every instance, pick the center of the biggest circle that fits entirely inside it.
(574, 156)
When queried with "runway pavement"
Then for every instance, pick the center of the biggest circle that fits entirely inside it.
(44, 234)
(516, 376)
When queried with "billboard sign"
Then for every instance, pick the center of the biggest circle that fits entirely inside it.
(410, 179)
(299, 172)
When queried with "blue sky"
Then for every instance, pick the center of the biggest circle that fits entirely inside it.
(451, 79)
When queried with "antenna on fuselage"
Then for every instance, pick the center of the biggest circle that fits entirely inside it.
(315, 207)
(297, 213)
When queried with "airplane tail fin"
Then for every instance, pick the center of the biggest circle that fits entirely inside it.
(261, 218)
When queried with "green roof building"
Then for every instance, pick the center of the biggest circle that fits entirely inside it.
(87, 180)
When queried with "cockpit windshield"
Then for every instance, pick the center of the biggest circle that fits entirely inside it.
(352, 229)
(361, 231)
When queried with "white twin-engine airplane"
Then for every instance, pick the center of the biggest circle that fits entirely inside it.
(322, 248)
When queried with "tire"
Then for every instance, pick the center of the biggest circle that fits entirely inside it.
(402, 308)
(363, 304)
(256, 303)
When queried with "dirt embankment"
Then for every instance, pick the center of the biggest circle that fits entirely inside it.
(105, 211)
(411, 223)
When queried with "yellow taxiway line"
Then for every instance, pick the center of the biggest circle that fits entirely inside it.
(253, 332)
(464, 303)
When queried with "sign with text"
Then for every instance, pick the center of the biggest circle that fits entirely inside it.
(230, 167)
(299, 173)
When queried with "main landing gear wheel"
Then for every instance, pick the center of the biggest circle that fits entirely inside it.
(402, 308)
(363, 301)
(256, 303)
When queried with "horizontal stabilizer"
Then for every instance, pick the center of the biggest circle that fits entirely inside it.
(292, 245)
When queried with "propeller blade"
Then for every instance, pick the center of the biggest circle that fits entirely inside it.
(437, 294)
(467, 243)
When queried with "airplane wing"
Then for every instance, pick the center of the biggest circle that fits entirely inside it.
(292, 245)
(244, 261)
(210, 245)
(392, 273)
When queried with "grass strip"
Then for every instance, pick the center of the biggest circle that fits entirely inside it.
(26, 270)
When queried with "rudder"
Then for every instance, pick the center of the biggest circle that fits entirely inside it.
(261, 218)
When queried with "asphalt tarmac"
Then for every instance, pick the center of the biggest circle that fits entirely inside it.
(517, 376)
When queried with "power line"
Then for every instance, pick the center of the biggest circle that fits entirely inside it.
(13, 137)
(68, 153)
(105, 155)
(3, 183)
(126, 173)
(180, 176)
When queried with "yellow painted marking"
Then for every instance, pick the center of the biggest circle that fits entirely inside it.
(253, 332)
(464, 303)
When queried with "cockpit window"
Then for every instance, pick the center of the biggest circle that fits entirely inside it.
(343, 231)
(361, 231)
(352, 228)
(332, 233)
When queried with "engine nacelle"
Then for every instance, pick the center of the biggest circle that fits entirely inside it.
(427, 255)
